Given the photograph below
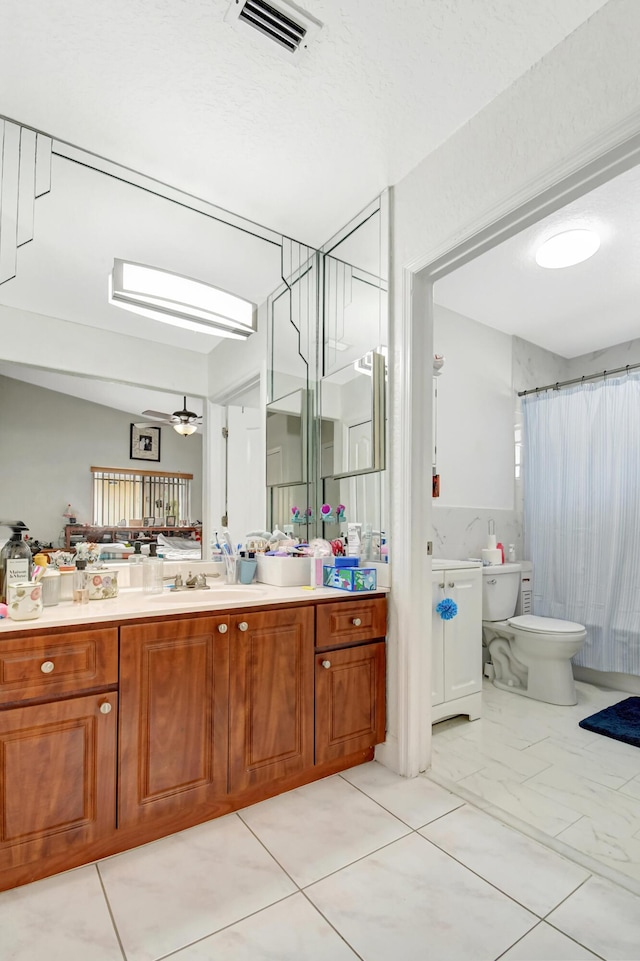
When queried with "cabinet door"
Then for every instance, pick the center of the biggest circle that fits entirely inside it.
(463, 635)
(58, 777)
(270, 696)
(173, 717)
(350, 701)
(437, 639)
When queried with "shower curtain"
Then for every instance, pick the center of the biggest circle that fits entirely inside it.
(582, 514)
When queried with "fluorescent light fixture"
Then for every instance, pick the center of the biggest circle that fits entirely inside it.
(568, 248)
(180, 301)
(185, 429)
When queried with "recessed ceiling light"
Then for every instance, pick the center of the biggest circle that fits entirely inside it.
(568, 248)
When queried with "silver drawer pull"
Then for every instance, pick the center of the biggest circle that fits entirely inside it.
(223, 628)
(47, 666)
(326, 665)
(105, 708)
(356, 622)
(452, 584)
(243, 626)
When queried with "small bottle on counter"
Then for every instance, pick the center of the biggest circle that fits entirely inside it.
(152, 572)
(136, 569)
(81, 583)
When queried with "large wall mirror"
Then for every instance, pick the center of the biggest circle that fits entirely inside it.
(352, 411)
(76, 370)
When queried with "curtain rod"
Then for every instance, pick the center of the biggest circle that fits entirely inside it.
(579, 380)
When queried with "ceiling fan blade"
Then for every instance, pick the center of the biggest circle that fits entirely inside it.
(156, 413)
(156, 423)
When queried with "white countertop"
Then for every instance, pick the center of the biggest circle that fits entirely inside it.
(437, 564)
(132, 603)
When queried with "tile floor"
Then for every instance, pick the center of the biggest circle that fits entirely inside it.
(363, 865)
(531, 761)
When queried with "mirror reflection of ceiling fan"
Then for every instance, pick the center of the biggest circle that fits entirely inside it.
(183, 421)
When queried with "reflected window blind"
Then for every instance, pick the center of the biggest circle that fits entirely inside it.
(123, 495)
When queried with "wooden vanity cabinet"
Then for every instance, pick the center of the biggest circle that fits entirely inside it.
(270, 696)
(57, 743)
(173, 718)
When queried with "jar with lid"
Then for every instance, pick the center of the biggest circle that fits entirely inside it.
(51, 583)
(152, 572)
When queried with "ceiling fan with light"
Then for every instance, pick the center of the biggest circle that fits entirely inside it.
(183, 421)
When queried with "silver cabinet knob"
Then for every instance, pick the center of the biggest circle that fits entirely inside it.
(243, 626)
(441, 585)
(452, 584)
(105, 708)
(356, 622)
(223, 628)
(326, 665)
(47, 666)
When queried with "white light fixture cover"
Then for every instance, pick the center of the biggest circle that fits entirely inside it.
(567, 248)
(180, 301)
(185, 429)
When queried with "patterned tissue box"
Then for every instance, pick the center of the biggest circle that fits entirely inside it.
(350, 578)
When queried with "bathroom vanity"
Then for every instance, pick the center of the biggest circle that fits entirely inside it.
(456, 644)
(126, 720)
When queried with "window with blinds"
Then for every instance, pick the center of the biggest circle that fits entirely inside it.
(136, 496)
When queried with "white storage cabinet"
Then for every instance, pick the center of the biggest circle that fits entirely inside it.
(456, 661)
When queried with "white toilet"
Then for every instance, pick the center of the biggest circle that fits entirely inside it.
(530, 655)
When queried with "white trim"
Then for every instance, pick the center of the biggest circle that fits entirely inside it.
(617, 149)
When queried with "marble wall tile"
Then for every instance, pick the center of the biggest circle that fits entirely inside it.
(461, 532)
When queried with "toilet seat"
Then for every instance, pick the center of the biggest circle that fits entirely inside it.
(532, 624)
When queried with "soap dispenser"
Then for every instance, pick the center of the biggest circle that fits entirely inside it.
(153, 567)
(16, 562)
(136, 569)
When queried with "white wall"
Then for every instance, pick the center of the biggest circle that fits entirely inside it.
(49, 442)
(612, 357)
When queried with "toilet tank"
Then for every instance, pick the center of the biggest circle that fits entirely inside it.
(500, 587)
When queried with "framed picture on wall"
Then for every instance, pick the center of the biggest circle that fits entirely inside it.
(148, 522)
(171, 520)
(144, 443)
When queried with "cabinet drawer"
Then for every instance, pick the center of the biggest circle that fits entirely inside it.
(350, 622)
(50, 665)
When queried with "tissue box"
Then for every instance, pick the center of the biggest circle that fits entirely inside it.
(350, 578)
(283, 571)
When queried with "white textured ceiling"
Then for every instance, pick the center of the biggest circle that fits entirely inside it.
(572, 311)
(171, 89)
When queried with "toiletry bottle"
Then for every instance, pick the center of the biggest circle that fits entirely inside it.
(136, 561)
(81, 583)
(511, 553)
(500, 548)
(153, 568)
(16, 563)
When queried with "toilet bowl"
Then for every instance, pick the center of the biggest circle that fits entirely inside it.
(530, 655)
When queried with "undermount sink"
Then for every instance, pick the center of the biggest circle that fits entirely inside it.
(216, 595)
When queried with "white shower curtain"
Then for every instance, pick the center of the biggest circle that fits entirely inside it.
(582, 514)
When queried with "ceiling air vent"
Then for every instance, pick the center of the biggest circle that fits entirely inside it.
(281, 22)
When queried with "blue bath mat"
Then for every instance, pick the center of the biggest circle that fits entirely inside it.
(620, 721)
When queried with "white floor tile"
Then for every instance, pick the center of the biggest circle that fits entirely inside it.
(616, 813)
(517, 764)
(413, 902)
(602, 917)
(632, 788)
(609, 770)
(536, 877)
(172, 892)
(416, 801)
(64, 918)
(451, 762)
(291, 930)
(321, 827)
(544, 813)
(544, 943)
(620, 853)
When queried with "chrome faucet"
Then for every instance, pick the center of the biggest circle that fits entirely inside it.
(194, 582)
